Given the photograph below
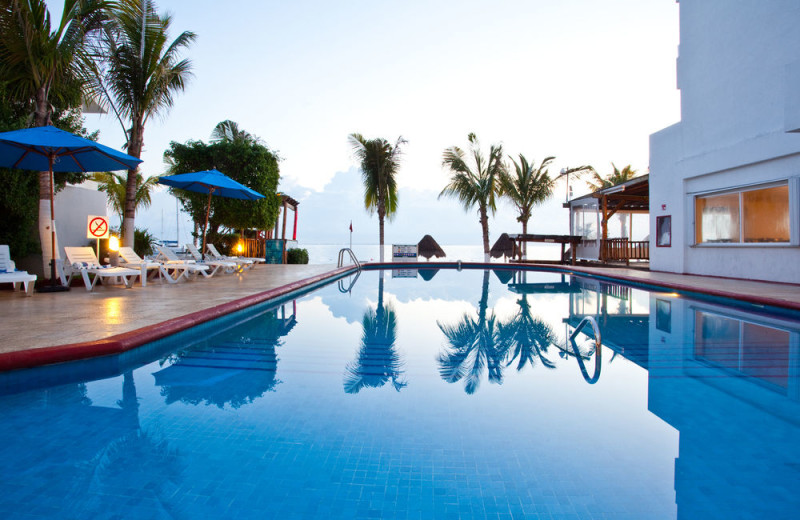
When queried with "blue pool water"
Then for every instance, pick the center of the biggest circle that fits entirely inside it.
(423, 394)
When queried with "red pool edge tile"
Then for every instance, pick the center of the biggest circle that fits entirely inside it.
(129, 340)
(135, 338)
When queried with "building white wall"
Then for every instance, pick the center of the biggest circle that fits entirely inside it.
(739, 76)
(73, 206)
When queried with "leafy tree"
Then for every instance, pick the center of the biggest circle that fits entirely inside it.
(45, 70)
(380, 162)
(138, 74)
(616, 177)
(476, 184)
(528, 187)
(114, 184)
(20, 194)
(251, 164)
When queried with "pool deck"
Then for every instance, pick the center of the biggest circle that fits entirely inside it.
(47, 328)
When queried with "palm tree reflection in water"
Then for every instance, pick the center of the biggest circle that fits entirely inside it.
(487, 343)
(378, 361)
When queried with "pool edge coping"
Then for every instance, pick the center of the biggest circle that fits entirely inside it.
(123, 342)
(647, 283)
(118, 343)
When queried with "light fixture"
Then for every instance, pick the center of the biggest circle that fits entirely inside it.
(113, 243)
(239, 247)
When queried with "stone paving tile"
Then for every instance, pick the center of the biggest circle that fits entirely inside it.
(47, 319)
(55, 319)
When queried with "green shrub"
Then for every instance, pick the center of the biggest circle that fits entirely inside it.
(143, 242)
(297, 256)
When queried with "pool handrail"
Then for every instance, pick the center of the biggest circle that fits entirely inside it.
(340, 262)
(598, 349)
(349, 288)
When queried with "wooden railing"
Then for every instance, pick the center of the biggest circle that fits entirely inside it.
(253, 248)
(622, 249)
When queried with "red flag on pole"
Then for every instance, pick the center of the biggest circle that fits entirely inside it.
(351, 226)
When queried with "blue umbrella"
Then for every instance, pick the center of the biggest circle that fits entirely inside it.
(48, 148)
(213, 182)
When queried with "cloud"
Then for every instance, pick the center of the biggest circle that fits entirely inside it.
(324, 216)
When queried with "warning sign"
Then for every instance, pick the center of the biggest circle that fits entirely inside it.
(97, 227)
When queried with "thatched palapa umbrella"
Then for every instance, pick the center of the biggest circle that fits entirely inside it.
(503, 247)
(428, 247)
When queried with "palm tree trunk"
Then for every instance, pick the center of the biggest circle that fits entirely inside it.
(129, 209)
(483, 305)
(41, 117)
(381, 214)
(524, 243)
(485, 230)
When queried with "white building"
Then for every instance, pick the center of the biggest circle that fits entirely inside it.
(725, 180)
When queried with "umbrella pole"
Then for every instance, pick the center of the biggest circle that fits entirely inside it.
(205, 226)
(54, 286)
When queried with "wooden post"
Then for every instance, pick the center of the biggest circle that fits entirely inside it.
(604, 224)
(283, 234)
(294, 231)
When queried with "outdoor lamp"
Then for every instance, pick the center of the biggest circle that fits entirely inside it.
(239, 247)
(113, 250)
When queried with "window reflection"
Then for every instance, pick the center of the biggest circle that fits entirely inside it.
(751, 349)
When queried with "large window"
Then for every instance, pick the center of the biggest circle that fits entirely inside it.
(584, 222)
(759, 215)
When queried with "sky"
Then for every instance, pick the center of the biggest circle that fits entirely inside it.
(581, 80)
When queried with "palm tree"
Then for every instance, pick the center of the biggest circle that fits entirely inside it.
(114, 184)
(528, 187)
(612, 179)
(476, 184)
(378, 360)
(380, 162)
(474, 345)
(44, 67)
(229, 132)
(138, 76)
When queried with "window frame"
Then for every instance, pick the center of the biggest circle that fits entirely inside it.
(794, 230)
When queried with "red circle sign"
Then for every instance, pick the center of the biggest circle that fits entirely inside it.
(98, 227)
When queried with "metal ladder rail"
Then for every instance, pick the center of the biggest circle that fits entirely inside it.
(598, 349)
(340, 262)
(353, 281)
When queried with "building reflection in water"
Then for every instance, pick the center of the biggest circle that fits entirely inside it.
(728, 381)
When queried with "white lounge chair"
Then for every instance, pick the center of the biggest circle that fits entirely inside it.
(226, 265)
(83, 261)
(253, 261)
(9, 273)
(171, 272)
(168, 257)
(241, 262)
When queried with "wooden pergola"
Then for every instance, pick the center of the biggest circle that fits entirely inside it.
(632, 196)
(256, 247)
(286, 203)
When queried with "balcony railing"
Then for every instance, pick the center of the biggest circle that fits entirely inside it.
(624, 250)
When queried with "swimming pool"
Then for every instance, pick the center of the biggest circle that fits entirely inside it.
(423, 394)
